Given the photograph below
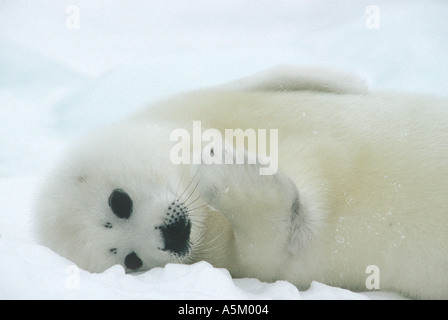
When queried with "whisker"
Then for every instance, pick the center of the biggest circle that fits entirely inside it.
(186, 188)
(191, 193)
(203, 250)
(189, 204)
(196, 208)
(180, 181)
(167, 186)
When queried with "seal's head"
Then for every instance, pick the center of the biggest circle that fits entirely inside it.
(117, 199)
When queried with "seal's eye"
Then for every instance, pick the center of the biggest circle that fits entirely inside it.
(120, 203)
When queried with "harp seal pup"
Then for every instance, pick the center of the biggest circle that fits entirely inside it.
(362, 181)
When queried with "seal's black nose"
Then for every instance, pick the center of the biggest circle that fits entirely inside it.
(132, 261)
(176, 231)
(177, 236)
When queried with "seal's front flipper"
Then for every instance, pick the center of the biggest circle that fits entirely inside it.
(242, 194)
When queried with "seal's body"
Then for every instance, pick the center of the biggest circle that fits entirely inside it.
(362, 181)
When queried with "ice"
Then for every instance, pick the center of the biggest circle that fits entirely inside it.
(57, 83)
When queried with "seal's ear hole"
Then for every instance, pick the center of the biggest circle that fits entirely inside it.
(120, 203)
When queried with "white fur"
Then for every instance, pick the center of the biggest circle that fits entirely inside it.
(289, 78)
(370, 173)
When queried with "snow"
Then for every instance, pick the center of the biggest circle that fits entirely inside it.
(58, 81)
